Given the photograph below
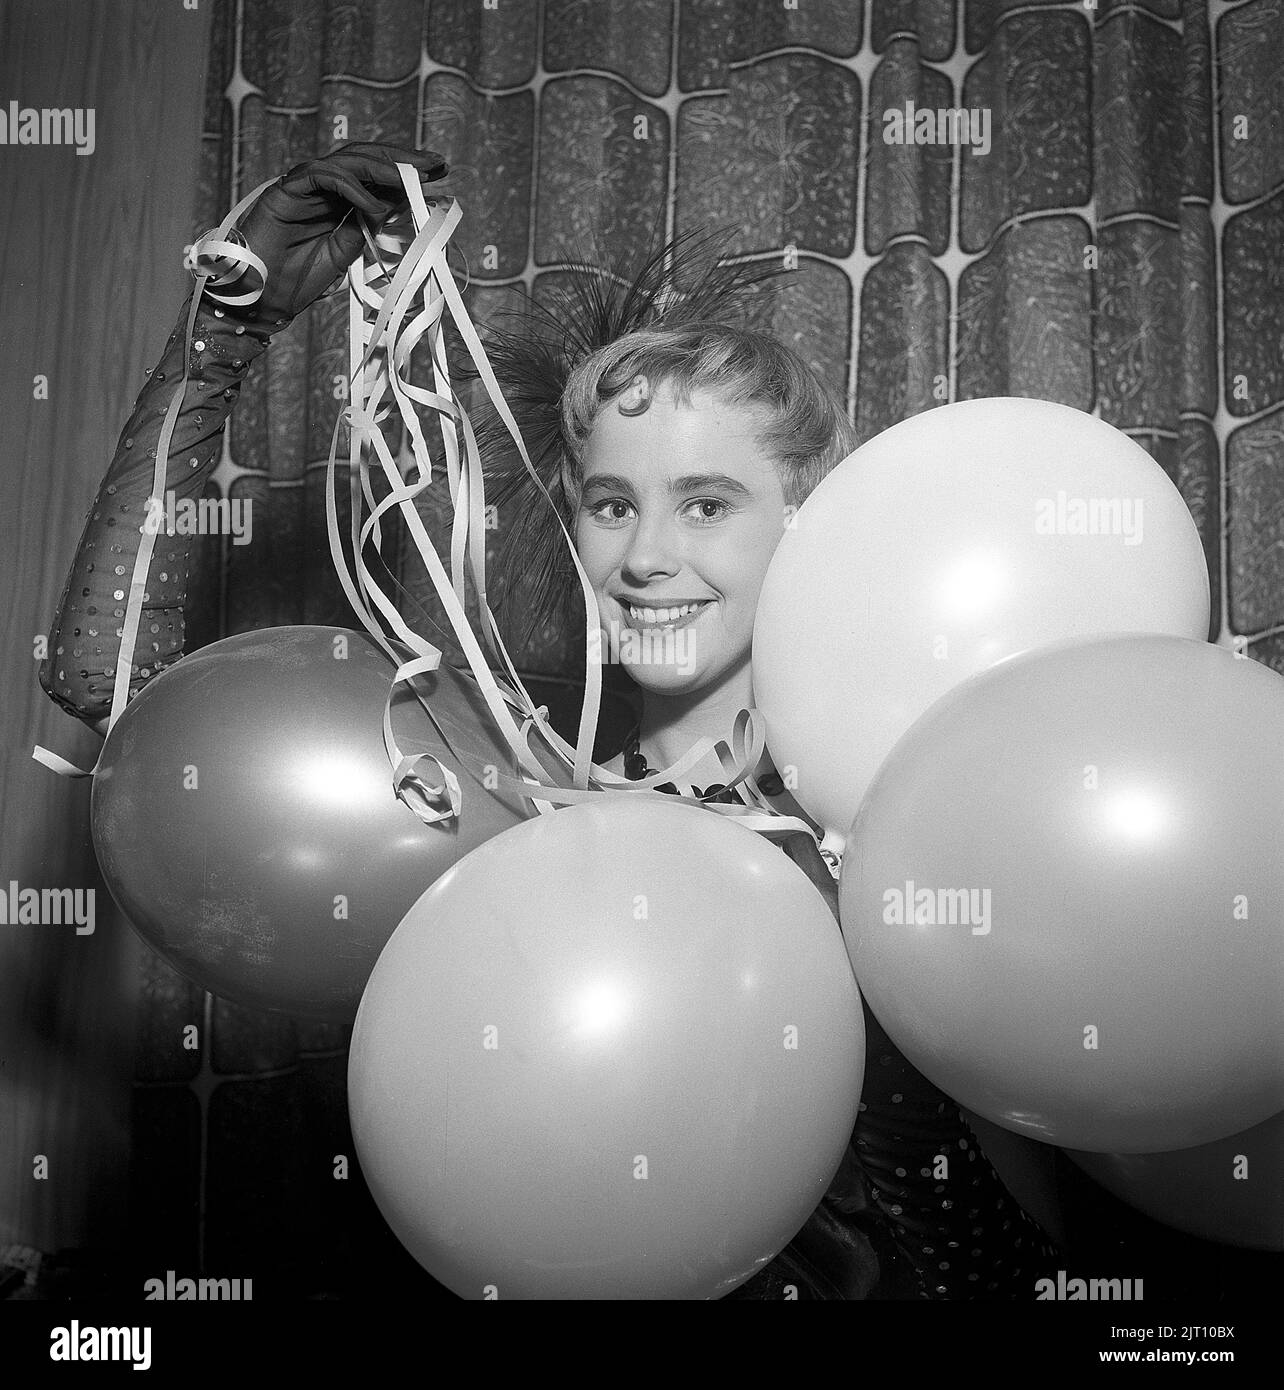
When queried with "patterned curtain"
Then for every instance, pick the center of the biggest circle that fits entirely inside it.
(1106, 230)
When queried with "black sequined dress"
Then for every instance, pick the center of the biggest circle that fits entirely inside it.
(916, 1210)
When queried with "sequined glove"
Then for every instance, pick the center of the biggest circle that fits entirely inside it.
(84, 642)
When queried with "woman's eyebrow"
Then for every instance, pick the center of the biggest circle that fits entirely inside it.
(689, 482)
(694, 482)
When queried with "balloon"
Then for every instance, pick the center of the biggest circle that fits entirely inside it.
(937, 549)
(244, 817)
(1228, 1191)
(616, 1052)
(1110, 978)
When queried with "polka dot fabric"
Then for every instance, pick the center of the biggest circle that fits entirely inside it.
(951, 1219)
(916, 1210)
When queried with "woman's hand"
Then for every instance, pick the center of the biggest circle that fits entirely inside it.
(305, 227)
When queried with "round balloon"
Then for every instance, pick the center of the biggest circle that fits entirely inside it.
(244, 817)
(1228, 1191)
(957, 538)
(1064, 895)
(616, 1052)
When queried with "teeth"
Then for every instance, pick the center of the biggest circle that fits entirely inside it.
(661, 615)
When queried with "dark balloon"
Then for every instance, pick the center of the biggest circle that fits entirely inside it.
(245, 821)
(1228, 1191)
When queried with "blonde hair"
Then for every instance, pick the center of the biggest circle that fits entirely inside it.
(804, 428)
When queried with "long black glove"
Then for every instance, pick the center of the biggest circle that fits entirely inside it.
(306, 232)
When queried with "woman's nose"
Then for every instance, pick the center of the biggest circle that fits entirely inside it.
(653, 546)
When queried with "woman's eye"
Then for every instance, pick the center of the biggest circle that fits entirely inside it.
(723, 508)
(598, 509)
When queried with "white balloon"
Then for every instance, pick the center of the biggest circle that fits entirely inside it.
(946, 544)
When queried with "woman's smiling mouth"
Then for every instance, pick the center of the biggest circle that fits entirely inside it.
(671, 615)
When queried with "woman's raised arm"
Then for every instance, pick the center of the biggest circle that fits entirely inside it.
(304, 230)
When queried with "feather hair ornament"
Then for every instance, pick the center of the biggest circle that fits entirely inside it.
(686, 280)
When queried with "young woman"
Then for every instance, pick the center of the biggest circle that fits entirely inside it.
(686, 448)
(677, 446)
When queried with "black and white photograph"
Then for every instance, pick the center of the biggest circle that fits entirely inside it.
(461, 452)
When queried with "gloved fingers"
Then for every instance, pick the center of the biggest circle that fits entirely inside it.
(307, 227)
(428, 162)
(351, 191)
(373, 167)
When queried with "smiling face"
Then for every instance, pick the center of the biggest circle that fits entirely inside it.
(679, 506)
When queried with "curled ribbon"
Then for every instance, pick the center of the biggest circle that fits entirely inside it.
(220, 258)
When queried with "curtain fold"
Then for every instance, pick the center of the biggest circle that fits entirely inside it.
(90, 277)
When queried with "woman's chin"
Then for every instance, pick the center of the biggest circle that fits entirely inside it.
(664, 678)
